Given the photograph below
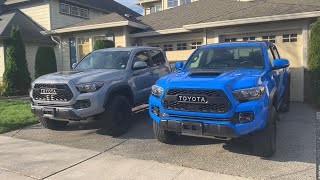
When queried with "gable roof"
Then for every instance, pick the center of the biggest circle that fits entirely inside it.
(30, 31)
(205, 11)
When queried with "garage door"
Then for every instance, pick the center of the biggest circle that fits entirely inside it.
(289, 44)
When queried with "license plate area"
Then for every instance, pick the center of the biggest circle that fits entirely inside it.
(48, 112)
(191, 128)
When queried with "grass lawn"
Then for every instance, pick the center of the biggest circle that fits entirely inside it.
(15, 114)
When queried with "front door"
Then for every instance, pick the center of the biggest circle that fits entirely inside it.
(73, 51)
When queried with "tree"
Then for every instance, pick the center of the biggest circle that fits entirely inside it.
(16, 77)
(314, 59)
(45, 61)
(102, 44)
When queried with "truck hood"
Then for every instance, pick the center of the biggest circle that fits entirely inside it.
(79, 77)
(231, 79)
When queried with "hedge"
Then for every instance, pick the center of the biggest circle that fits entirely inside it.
(45, 61)
(16, 78)
(102, 44)
(314, 60)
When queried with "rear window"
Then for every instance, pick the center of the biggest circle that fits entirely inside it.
(227, 57)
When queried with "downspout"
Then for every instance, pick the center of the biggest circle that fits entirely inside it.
(60, 47)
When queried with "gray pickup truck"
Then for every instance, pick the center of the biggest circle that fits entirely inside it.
(105, 85)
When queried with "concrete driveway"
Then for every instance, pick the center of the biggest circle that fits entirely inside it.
(295, 157)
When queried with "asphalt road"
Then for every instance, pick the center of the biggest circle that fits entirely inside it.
(295, 157)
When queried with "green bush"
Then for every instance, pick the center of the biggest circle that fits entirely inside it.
(314, 60)
(45, 61)
(16, 77)
(102, 44)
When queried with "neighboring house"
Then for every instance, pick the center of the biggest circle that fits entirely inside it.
(75, 25)
(153, 6)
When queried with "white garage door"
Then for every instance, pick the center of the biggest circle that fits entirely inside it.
(289, 44)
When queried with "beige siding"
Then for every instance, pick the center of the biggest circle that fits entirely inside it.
(1, 61)
(60, 20)
(39, 12)
(178, 55)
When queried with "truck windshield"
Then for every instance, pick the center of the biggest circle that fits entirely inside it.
(105, 60)
(226, 58)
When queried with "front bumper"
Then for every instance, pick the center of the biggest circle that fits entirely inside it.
(54, 113)
(214, 130)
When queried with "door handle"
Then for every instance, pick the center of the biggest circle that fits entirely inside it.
(136, 74)
(151, 73)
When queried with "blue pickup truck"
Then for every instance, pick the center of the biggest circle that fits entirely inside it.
(226, 90)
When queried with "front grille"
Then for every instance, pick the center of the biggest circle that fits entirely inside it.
(217, 101)
(63, 92)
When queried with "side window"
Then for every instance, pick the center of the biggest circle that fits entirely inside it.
(142, 56)
(271, 57)
(275, 52)
(157, 57)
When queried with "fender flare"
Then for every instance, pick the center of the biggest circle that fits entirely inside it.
(116, 89)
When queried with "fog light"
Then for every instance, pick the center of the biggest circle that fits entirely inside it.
(245, 117)
(155, 110)
(82, 104)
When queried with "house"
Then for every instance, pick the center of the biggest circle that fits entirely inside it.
(36, 16)
(153, 6)
(182, 29)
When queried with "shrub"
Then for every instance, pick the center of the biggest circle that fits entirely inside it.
(45, 61)
(314, 60)
(102, 44)
(16, 77)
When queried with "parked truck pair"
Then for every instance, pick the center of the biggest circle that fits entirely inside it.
(227, 90)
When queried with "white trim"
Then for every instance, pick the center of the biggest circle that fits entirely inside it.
(305, 37)
(160, 32)
(253, 20)
(95, 26)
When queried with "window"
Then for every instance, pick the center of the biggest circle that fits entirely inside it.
(157, 57)
(290, 38)
(83, 47)
(155, 45)
(185, 2)
(230, 40)
(154, 9)
(270, 56)
(195, 45)
(74, 10)
(271, 38)
(226, 58)
(168, 47)
(64, 8)
(249, 38)
(182, 46)
(142, 56)
(172, 3)
(275, 52)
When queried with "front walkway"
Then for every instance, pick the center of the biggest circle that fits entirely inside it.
(22, 159)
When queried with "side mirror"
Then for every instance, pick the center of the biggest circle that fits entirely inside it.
(74, 65)
(280, 63)
(139, 65)
(179, 65)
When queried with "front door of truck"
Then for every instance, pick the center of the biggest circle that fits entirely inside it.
(142, 78)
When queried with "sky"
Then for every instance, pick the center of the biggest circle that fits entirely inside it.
(130, 4)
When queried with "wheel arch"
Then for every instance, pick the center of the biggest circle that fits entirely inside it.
(123, 90)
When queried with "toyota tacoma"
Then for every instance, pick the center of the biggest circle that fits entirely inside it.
(104, 85)
(227, 90)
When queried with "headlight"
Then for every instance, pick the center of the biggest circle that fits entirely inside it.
(249, 94)
(156, 90)
(89, 87)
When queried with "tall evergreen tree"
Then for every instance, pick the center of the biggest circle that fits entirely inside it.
(314, 59)
(16, 78)
(45, 61)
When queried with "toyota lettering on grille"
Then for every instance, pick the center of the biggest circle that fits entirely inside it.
(52, 91)
(192, 99)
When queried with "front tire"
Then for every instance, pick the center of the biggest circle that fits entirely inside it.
(115, 120)
(162, 135)
(264, 142)
(52, 124)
